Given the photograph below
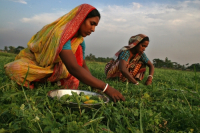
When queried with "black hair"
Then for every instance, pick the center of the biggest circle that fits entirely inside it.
(144, 39)
(93, 13)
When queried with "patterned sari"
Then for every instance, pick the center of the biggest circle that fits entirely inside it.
(135, 67)
(41, 58)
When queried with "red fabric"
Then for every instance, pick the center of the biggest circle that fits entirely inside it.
(72, 27)
(70, 30)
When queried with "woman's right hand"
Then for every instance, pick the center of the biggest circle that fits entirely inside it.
(114, 94)
(83, 75)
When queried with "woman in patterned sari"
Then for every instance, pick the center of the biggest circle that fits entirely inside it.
(129, 63)
(57, 54)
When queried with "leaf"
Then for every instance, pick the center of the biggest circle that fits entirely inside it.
(92, 121)
(22, 107)
(146, 95)
(2, 130)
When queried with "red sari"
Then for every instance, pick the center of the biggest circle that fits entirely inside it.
(135, 67)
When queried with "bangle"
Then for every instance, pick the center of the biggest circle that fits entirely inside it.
(105, 87)
(136, 83)
(150, 76)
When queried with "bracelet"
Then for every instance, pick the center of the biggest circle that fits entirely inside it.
(105, 87)
(150, 76)
(136, 83)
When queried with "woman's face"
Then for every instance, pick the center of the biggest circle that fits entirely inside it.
(141, 47)
(88, 26)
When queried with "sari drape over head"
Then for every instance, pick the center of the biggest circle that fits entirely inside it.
(40, 60)
(135, 67)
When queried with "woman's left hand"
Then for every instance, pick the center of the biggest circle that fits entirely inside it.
(148, 82)
(151, 71)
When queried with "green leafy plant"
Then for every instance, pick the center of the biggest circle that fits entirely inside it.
(170, 104)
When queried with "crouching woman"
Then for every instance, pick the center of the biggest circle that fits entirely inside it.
(129, 63)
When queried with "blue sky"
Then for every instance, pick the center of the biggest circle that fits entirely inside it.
(173, 26)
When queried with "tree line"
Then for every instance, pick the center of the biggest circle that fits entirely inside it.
(174, 65)
(158, 63)
(12, 49)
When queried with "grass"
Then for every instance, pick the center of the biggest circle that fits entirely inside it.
(170, 104)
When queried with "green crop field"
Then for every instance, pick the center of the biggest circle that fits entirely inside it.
(171, 104)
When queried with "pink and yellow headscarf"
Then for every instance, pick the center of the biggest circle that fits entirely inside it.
(48, 42)
(133, 41)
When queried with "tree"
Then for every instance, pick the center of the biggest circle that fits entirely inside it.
(168, 63)
(158, 63)
(18, 49)
(11, 49)
(5, 48)
(166, 60)
(194, 66)
(90, 57)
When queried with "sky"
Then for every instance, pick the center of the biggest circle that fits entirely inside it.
(173, 26)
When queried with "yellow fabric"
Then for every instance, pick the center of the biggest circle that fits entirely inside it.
(45, 43)
(17, 69)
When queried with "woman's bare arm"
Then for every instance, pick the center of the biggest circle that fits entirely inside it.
(151, 72)
(125, 72)
(85, 66)
(83, 75)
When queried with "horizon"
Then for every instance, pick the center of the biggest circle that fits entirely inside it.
(172, 26)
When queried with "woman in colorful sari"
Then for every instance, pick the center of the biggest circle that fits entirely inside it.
(129, 63)
(57, 54)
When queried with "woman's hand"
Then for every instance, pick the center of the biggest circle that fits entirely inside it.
(114, 94)
(151, 71)
(148, 82)
(125, 72)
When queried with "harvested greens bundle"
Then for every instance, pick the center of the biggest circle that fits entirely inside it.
(81, 98)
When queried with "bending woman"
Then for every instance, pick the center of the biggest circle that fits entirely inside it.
(57, 53)
(129, 63)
